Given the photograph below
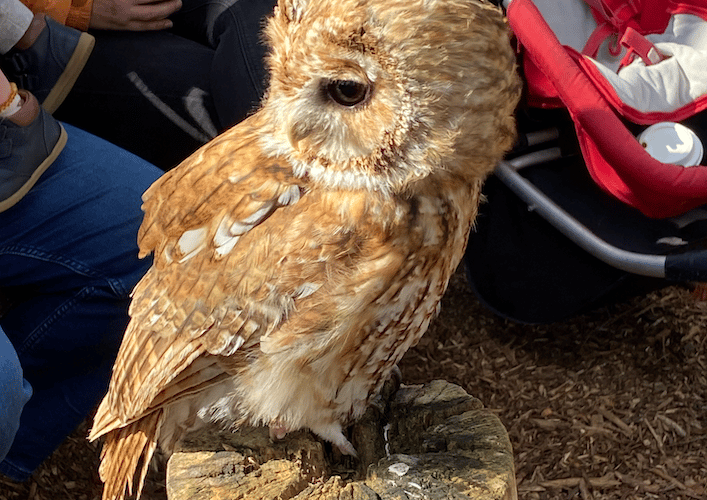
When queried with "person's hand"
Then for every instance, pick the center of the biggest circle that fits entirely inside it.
(133, 15)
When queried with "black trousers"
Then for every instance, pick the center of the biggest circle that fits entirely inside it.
(163, 94)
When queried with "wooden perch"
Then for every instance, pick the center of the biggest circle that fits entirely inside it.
(430, 441)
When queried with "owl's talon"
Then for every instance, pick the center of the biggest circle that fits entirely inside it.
(378, 402)
(346, 448)
(333, 433)
(390, 387)
(277, 430)
(396, 376)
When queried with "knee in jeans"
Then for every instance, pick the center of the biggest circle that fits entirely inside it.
(14, 393)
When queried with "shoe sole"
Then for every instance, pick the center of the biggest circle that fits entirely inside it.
(73, 69)
(19, 194)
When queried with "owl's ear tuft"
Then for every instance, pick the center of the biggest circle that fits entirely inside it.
(292, 10)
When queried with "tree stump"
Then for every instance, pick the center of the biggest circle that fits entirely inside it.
(430, 441)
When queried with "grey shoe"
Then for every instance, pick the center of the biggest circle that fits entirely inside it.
(30, 141)
(50, 67)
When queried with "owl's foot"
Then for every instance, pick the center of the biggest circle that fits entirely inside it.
(346, 448)
(278, 430)
(335, 436)
(396, 376)
(381, 400)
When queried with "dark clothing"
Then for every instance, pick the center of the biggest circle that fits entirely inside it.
(163, 94)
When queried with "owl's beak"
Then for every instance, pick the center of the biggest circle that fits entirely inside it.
(294, 138)
(295, 133)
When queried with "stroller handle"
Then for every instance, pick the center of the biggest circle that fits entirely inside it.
(689, 266)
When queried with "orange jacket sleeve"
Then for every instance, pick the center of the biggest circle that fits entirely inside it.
(74, 13)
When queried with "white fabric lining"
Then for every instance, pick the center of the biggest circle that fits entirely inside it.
(672, 83)
(559, 13)
(660, 88)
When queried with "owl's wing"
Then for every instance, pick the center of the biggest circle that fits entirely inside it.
(186, 307)
(228, 181)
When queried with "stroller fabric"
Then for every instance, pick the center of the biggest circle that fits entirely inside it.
(619, 66)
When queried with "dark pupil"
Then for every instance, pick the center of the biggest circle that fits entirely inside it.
(347, 93)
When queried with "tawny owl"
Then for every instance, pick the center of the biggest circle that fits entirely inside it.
(300, 254)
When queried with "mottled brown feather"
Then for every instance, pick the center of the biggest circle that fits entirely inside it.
(122, 453)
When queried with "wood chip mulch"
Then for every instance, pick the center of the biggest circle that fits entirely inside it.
(608, 405)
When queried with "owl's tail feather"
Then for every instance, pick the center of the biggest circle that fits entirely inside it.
(123, 451)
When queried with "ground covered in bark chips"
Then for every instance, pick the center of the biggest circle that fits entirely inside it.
(611, 404)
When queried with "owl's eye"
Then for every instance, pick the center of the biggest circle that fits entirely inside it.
(347, 92)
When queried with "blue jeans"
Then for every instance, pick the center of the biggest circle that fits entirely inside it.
(68, 257)
(15, 391)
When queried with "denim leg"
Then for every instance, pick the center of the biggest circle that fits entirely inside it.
(233, 28)
(68, 249)
(15, 391)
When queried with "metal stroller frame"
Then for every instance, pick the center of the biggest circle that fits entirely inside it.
(688, 266)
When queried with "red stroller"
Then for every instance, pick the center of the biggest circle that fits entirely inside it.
(610, 156)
